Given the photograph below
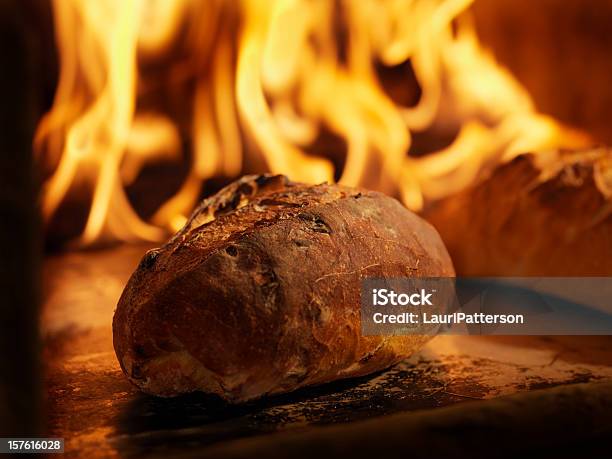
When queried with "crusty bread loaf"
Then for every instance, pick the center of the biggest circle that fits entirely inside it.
(259, 293)
(548, 214)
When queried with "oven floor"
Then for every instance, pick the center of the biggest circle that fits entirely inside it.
(92, 405)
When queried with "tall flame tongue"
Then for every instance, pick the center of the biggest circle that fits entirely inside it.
(268, 73)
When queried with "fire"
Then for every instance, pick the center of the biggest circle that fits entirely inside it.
(265, 79)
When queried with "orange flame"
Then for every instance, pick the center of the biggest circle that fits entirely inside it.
(268, 78)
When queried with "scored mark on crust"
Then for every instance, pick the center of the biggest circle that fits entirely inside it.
(149, 259)
(315, 223)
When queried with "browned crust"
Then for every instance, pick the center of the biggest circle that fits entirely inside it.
(259, 293)
(539, 215)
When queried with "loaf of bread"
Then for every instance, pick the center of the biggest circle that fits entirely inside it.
(548, 214)
(259, 293)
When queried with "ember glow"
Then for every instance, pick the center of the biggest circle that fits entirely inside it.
(265, 79)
